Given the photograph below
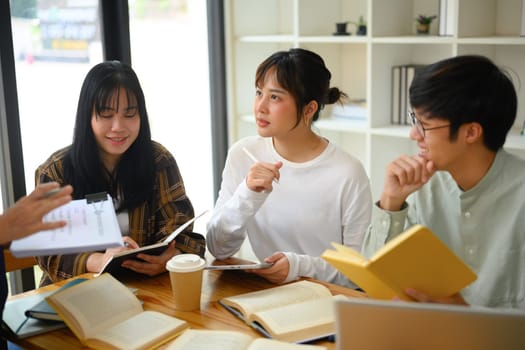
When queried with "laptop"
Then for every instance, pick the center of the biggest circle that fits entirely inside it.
(367, 324)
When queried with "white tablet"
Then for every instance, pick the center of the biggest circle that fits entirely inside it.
(239, 267)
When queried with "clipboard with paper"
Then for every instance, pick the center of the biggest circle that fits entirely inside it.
(91, 225)
(113, 265)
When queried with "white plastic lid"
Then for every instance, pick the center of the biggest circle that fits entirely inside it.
(185, 263)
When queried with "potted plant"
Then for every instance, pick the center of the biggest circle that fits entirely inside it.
(340, 28)
(423, 23)
(360, 26)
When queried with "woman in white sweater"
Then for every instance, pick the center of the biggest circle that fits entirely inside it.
(289, 190)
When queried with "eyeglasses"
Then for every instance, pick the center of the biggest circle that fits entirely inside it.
(417, 123)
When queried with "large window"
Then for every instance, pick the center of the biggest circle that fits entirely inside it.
(169, 52)
(56, 42)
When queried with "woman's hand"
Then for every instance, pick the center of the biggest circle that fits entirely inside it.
(152, 265)
(278, 272)
(96, 261)
(261, 176)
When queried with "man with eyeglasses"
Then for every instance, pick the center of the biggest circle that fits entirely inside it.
(461, 184)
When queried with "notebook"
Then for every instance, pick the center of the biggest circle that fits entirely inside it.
(17, 324)
(113, 265)
(373, 324)
(43, 311)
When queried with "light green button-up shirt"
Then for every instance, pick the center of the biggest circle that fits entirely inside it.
(484, 226)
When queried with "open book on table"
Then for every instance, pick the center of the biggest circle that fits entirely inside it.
(104, 314)
(91, 225)
(43, 311)
(113, 265)
(193, 339)
(297, 312)
(415, 259)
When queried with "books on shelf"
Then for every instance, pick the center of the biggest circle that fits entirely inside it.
(402, 76)
(403, 94)
(104, 314)
(396, 98)
(296, 312)
(355, 112)
(91, 225)
(415, 259)
(230, 340)
(447, 17)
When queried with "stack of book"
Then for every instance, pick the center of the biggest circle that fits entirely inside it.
(355, 111)
(402, 77)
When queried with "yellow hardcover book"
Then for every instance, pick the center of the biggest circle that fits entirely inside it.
(104, 314)
(415, 259)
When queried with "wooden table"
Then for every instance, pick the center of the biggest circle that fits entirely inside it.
(155, 292)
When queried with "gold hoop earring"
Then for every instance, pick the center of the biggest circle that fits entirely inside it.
(307, 122)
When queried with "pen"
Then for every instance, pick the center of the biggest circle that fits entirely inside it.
(252, 157)
(51, 193)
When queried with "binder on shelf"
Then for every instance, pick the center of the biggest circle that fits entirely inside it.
(396, 86)
(411, 71)
(447, 17)
(522, 31)
(402, 77)
(403, 96)
(91, 225)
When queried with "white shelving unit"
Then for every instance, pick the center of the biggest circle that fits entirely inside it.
(361, 65)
